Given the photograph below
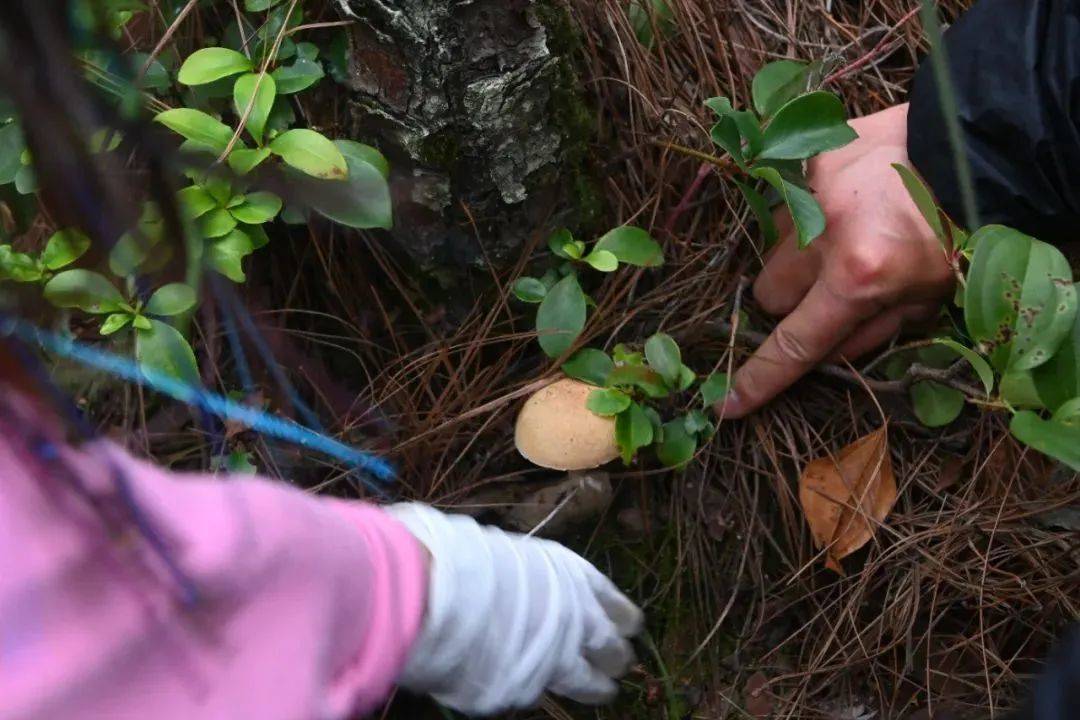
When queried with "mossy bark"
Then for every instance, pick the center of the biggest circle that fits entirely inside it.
(478, 106)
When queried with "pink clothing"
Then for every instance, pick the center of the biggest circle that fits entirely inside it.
(307, 608)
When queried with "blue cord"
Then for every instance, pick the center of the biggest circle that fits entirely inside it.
(218, 405)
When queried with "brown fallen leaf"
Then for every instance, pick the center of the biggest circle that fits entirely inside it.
(846, 495)
(759, 702)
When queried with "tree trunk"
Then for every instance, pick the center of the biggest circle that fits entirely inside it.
(477, 105)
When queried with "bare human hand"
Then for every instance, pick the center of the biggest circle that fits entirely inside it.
(877, 267)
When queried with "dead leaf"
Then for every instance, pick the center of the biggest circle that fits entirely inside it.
(846, 495)
(759, 702)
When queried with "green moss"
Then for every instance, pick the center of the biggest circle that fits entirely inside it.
(440, 151)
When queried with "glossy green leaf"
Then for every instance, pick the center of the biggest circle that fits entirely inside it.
(141, 322)
(725, 134)
(607, 402)
(257, 208)
(104, 140)
(762, 213)
(226, 254)
(18, 266)
(195, 201)
(574, 249)
(1068, 413)
(83, 289)
(602, 260)
(162, 349)
(806, 126)
(643, 378)
(924, 200)
(558, 240)
(259, 91)
(171, 299)
(115, 323)
(686, 378)
(624, 355)
(216, 223)
(678, 446)
(360, 152)
(776, 83)
(747, 123)
(198, 127)
(695, 422)
(590, 366)
(807, 215)
(714, 388)
(1056, 439)
(936, 405)
(530, 290)
(210, 64)
(664, 356)
(311, 153)
(1017, 387)
(299, 76)
(11, 149)
(242, 160)
(561, 317)
(240, 463)
(1058, 380)
(633, 246)
(26, 182)
(259, 5)
(633, 431)
(362, 201)
(978, 362)
(64, 248)
(1020, 303)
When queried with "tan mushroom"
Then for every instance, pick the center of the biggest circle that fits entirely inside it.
(555, 430)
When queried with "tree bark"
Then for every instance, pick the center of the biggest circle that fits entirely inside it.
(477, 105)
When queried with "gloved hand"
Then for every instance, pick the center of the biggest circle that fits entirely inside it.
(511, 616)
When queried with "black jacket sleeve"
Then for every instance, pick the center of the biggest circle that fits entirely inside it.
(1015, 66)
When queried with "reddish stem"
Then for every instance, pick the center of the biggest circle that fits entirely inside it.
(688, 197)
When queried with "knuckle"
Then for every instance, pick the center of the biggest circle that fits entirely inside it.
(791, 346)
(864, 267)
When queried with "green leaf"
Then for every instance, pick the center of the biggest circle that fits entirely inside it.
(632, 245)
(11, 149)
(936, 405)
(301, 75)
(923, 199)
(746, 122)
(64, 248)
(162, 349)
(360, 152)
(1054, 438)
(195, 201)
(624, 355)
(978, 362)
(156, 77)
(198, 127)
(257, 208)
(242, 160)
(695, 422)
(633, 431)
(714, 388)
(171, 299)
(141, 322)
(762, 212)
(216, 223)
(686, 378)
(678, 446)
(311, 153)
(306, 50)
(1058, 380)
(83, 289)
(1018, 389)
(558, 241)
(227, 254)
(664, 356)
(362, 201)
(240, 463)
(777, 83)
(114, 323)
(807, 215)
(243, 92)
(561, 317)
(607, 402)
(725, 134)
(1020, 302)
(645, 379)
(807, 126)
(640, 13)
(1069, 413)
(589, 365)
(255, 233)
(574, 249)
(18, 266)
(210, 64)
(259, 5)
(530, 290)
(602, 260)
(105, 140)
(26, 180)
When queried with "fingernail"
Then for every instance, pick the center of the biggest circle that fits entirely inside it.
(729, 407)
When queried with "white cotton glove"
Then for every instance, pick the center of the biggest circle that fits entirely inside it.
(511, 616)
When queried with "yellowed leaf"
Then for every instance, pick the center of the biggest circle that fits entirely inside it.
(845, 496)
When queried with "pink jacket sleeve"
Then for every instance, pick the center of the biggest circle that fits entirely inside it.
(307, 606)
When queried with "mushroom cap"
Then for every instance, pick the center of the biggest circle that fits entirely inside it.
(556, 430)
